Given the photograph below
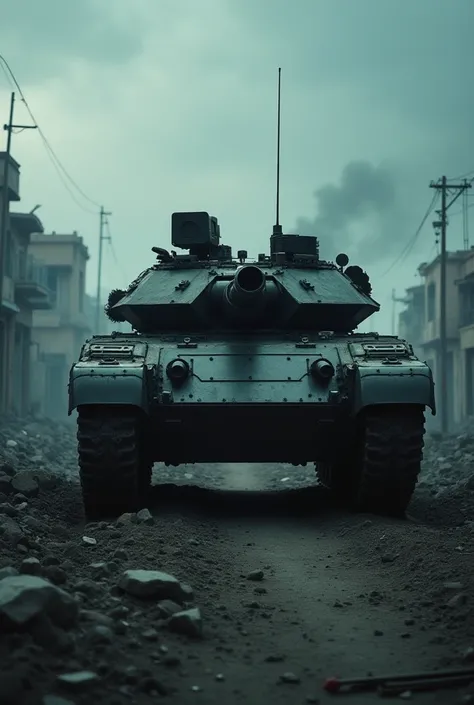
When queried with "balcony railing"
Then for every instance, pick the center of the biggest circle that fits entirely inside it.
(31, 283)
(466, 317)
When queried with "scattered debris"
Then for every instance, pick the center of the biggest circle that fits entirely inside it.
(76, 599)
(396, 685)
(255, 575)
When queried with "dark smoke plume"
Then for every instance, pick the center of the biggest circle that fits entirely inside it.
(358, 216)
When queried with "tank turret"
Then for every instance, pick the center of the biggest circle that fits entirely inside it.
(206, 288)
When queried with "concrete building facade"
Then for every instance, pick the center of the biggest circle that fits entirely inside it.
(420, 324)
(58, 333)
(24, 291)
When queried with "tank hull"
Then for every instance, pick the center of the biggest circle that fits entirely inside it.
(248, 399)
(252, 433)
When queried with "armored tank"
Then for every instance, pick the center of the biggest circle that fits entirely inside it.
(237, 361)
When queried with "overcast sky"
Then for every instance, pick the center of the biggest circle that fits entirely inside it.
(154, 107)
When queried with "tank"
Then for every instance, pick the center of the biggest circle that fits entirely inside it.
(231, 360)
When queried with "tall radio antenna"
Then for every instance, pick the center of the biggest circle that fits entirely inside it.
(277, 226)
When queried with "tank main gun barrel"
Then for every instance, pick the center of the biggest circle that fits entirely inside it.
(247, 289)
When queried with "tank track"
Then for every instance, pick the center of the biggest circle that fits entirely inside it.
(383, 475)
(114, 471)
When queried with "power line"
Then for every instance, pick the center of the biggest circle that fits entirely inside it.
(460, 212)
(410, 244)
(462, 176)
(59, 167)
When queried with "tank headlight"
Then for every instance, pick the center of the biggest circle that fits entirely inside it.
(322, 369)
(177, 370)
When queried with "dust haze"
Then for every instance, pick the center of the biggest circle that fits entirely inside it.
(125, 579)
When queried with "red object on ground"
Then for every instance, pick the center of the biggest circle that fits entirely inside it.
(332, 685)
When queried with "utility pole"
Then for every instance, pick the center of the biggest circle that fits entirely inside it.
(4, 221)
(444, 187)
(465, 219)
(9, 127)
(102, 238)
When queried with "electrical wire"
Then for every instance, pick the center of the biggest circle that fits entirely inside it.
(57, 164)
(462, 176)
(410, 244)
(461, 211)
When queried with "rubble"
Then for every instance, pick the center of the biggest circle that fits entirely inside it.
(153, 584)
(77, 599)
(445, 491)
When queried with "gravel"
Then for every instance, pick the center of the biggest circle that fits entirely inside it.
(112, 612)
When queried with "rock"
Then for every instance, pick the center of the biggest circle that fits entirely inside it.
(9, 510)
(26, 484)
(388, 558)
(255, 575)
(89, 540)
(168, 607)
(457, 600)
(55, 700)
(11, 530)
(8, 572)
(120, 554)
(32, 523)
(23, 597)
(150, 634)
(7, 469)
(152, 584)
(99, 570)
(119, 612)
(11, 443)
(188, 622)
(289, 677)
(187, 592)
(6, 485)
(79, 681)
(125, 519)
(55, 574)
(100, 634)
(30, 566)
(144, 517)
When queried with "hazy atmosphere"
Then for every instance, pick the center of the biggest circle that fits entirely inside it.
(233, 480)
(155, 107)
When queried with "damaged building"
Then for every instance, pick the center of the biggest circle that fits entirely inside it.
(419, 323)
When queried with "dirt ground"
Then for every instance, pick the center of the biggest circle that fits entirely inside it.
(338, 594)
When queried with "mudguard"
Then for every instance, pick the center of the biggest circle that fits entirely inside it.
(108, 384)
(397, 384)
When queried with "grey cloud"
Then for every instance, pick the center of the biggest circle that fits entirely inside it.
(358, 216)
(39, 37)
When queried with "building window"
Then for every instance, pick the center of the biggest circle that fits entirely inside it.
(467, 305)
(8, 254)
(53, 283)
(81, 292)
(22, 273)
(431, 302)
